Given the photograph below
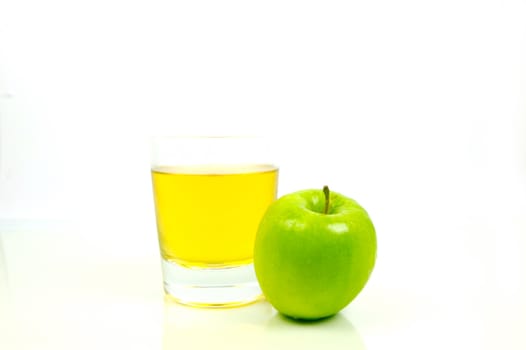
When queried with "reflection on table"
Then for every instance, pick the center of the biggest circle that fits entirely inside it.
(256, 326)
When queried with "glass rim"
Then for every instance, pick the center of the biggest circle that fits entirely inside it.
(211, 149)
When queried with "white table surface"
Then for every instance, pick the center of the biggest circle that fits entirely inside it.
(65, 287)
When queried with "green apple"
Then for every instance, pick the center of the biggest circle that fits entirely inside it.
(314, 252)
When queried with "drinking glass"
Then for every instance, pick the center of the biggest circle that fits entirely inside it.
(210, 194)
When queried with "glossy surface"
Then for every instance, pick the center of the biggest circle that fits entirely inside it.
(62, 288)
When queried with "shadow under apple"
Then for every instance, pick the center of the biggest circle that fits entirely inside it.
(335, 332)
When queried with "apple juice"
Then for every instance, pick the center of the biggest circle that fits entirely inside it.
(209, 215)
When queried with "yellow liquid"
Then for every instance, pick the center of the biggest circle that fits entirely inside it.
(208, 216)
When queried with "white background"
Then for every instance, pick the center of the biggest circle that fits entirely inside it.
(414, 108)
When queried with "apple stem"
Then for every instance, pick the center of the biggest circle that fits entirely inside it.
(327, 199)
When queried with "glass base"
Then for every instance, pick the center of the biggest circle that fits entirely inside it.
(211, 287)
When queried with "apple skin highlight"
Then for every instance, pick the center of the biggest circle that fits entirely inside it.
(311, 264)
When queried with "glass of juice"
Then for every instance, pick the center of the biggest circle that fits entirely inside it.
(210, 194)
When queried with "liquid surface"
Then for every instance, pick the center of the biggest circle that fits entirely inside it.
(209, 215)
